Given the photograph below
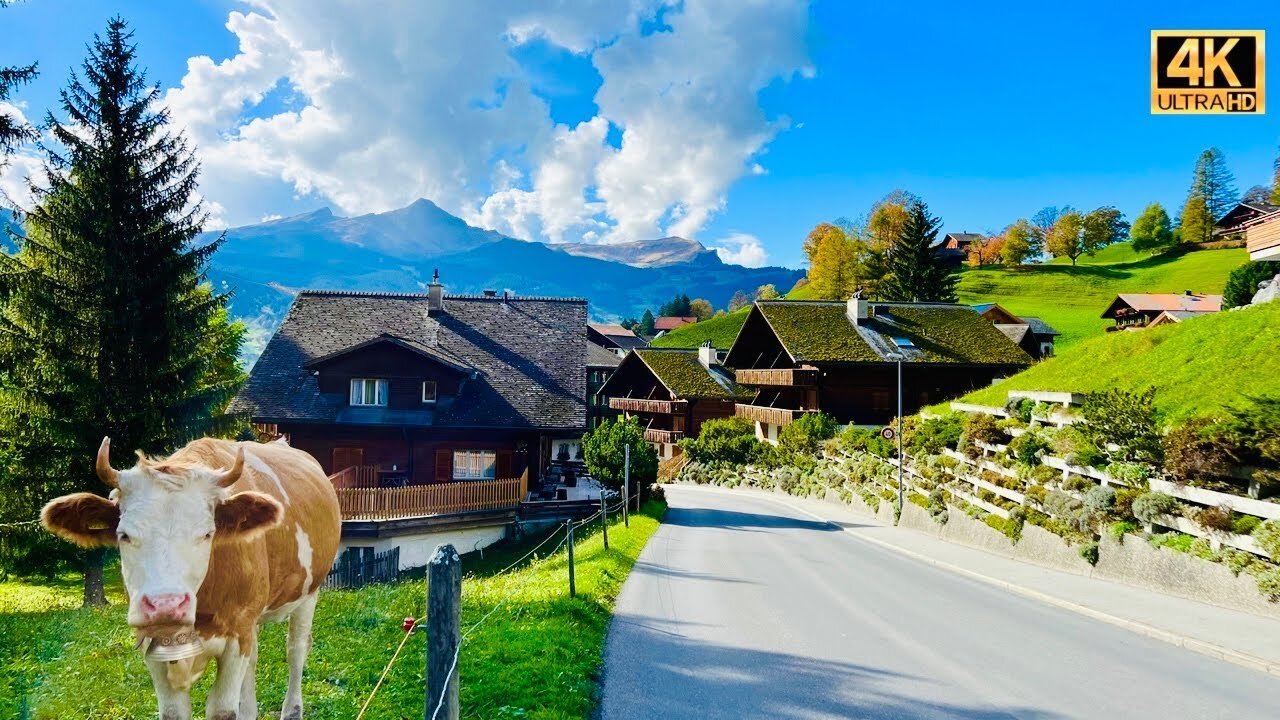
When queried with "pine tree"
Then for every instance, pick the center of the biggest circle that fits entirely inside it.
(1195, 225)
(12, 129)
(1214, 182)
(917, 270)
(646, 324)
(107, 327)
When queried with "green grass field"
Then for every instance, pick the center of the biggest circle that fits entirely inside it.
(538, 656)
(1197, 366)
(1071, 299)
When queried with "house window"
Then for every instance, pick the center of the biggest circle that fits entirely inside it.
(475, 465)
(428, 391)
(368, 391)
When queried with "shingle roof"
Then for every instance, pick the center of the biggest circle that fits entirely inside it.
(1015, 333)
(940, 333)
(598, 357)
(526, 356)
(610, 329)
(1155, 302)
(687, 378)
(618, 335)
(1038, 326)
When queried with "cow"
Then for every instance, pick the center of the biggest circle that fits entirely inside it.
(216, 538)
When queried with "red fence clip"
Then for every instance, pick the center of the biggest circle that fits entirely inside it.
(407, 625)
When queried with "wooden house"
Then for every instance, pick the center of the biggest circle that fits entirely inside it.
(614, 338)
(1134, 311)
(601, 364)
(416, 389)
(1030, 333)
(1238, 220)
(667, 323)
(841, 359)
(1263, 238)
(672, 392)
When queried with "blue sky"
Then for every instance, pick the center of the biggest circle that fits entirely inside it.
(741, 127)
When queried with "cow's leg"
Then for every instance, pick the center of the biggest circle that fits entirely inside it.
(249, 686)
(173, 704)
(299, 646)
(224, 696)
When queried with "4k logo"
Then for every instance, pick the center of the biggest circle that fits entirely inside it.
(1208, 72)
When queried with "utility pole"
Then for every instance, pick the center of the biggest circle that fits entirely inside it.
(626, 483)
(604, 519)
(573, 590)
(900, 458)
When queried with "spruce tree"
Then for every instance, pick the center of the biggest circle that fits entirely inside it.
(107, 326)
(1195, 224)
(12, 129)
(1275, 183)
(1214, 182)
(646, 324)
(917, 270)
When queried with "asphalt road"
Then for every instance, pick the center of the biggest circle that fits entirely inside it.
(741, 607)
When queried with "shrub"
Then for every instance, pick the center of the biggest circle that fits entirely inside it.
(1268, 536)
(1148, 506)
(918, 499)
(1068, 511)
(1089, 552)
(1245, 524)
(1071, 444)
(1037, 493)
(981, 427)
(1022, 409)
(1242, 282)
(1196, 449)
(804, 434)
(1123, 506)
(1125, 419)
(1043, 475)
(1100, 499)
(730, 441)
(856, 439)
(602, 449)
(1203, 549)
(1121, 528)
(1078, 483)
(1173, 540)
(1214, 518)
(1013, 526)
(1028, 447)
(1269, 584)
(1236, 560)
(1130, 473)
(934, 434)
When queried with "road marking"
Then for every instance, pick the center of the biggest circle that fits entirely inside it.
(1182, 641)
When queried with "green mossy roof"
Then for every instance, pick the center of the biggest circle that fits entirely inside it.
(681, 372)
(820, 332)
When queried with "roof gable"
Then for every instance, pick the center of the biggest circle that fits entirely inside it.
(687, 378)
(1158, 302)
(416, 348)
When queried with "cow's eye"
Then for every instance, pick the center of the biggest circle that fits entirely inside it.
(208, 535)
(123, 537)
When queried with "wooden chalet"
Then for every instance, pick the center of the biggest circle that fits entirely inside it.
(839, 358)
(398, 395)
(1032, 334)
(1263, 238)
(1237, 221)
(1135, 311)
(955, 247)
(614, 338)
(672, 392)
(601, 364)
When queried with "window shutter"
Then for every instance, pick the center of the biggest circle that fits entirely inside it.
(504, 464)
(444, 465)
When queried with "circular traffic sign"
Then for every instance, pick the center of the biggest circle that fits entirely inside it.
(887, 433)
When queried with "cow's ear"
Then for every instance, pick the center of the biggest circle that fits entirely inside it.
(85, 519)
(246, 515)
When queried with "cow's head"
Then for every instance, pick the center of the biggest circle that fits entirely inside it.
(165, 516)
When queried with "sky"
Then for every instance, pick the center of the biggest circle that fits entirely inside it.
(740, 123)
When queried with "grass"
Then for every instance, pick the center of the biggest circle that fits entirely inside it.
(1197, 366)
(538, 656)
(1071, 299)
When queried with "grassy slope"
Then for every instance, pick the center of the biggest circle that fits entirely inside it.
(537, 657)
(1068, 298)
(1197, 366)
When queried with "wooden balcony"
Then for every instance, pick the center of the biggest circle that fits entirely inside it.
(663, 436)
(366, 503)
(1263, 240)
(769, 415)
(658, 407)
(779, 377)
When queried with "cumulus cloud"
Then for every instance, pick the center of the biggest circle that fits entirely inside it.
(371, 110)
(741, 249)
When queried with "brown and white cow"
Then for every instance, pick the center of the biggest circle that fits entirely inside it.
(219, 536)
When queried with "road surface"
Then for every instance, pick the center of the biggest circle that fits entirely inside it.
(742, 607)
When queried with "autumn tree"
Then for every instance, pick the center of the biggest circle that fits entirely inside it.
(1153, 229)
(1195, 224)
(767, 292)
(701, 309)
(738, 301)
(986, 250)
(1022, 240)
(1046, 217)
(831, 262)
(1213, 181)
(917, 270)
(1102, 227)
(1066, 237)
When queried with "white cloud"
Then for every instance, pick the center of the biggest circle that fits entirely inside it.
(741, 249)
(426, 100)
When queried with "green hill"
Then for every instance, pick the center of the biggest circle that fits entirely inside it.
(1196, 366)
(1071, 299)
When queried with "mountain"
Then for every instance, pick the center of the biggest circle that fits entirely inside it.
(399, 250)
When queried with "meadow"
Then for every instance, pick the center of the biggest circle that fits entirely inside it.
(537, 656)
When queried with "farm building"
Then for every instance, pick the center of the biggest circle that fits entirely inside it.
(1030, 333)
(1135, 311)
(614, 338)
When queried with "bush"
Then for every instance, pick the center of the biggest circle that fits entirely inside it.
(1090, 553)
(1078, 483)
(935, 434)
(981, 427)
(730, 441)
(1129, 473)
(1195, 450)
(1100, 499)
(1037, 493)
(1214, 518)
(1236, 560)
(856, 439)
(1148, 506)
(1268, 536)
(1173, 540)
(602, 449)
(1125, 419)
(1123, 506)
(1028, 447)
(804, 434)
(1119, 529)
(1269, 584)
(1245, 524)
(1022, 409)
(1071, 444)
(1242, 283)
(1068, 511)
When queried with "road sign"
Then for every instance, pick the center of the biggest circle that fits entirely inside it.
(887, 433)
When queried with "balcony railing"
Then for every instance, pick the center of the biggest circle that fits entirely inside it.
(778, 377)
(663, 436)
(365, 503)
(1263, 240)
(660, 407)
(769, 415)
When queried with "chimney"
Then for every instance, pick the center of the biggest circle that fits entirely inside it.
(435, 294)
(856, 308)
(1188, 293)
(490, 293)
(707, 355)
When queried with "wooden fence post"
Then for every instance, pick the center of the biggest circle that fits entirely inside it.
(604, 519)
(444, 630)
(573, 590)
(626, 483)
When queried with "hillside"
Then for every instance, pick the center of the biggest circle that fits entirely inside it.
(1196, 366)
